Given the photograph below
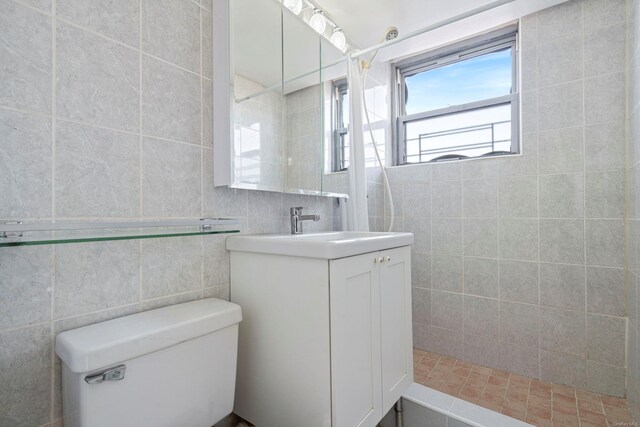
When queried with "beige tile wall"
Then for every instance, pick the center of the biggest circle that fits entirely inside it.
(303, 154)
(519, 262)
(633, 198)
(106, 113)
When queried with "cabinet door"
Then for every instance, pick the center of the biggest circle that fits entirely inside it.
(354, 294)
(396, 336)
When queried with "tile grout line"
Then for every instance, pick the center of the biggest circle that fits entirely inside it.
(100, 126)
(626, 216)
(141, 163)
(52, 390)
(466, 379)
(584, 211)
(537, 95)
(24, 111)
(484, 386)
(31, 7)
(104, 310)
(532, 261)
(609, 169)
(200, 16)
(575, 80)
(504, 396)
(498, 217)
(526, 403)
(125, 45)
(572, 218)
(431, 256)
(462, 220)
(95, 33)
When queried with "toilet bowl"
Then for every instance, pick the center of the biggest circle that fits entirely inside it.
(174, 366)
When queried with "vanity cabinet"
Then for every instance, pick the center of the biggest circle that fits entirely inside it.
(371, 356)
(324, 342)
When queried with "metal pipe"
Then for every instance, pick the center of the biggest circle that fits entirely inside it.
(398, 409)
(432, 27)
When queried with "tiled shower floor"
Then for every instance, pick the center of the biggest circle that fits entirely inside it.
(536, 402)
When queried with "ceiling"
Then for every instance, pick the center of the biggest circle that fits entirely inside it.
(269, 45)
(375, 16)
(259, 37)
(366, 21)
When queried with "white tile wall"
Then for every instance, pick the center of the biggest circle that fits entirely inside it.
(105, 113)
(633, 198)
(526, 253)
(149, 69)
(303, 142)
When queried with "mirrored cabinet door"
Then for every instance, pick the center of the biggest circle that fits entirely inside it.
(303, 106)
(257, 98)
(274, 99)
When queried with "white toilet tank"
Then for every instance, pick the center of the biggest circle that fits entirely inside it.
(174, 366)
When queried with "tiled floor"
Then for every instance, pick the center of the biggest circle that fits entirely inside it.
(536, 402)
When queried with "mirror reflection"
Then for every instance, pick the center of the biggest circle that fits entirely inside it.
(281, 90)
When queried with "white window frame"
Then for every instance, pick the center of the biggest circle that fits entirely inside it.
(476, 46)
(338, 129)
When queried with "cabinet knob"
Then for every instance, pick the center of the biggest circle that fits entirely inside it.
(387, 258)
(379, 260)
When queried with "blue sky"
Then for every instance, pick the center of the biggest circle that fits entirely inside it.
(483, 77)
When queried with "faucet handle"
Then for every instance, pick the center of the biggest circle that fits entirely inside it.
(296, 210)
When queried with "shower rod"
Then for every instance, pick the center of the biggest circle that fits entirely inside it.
(456, 18)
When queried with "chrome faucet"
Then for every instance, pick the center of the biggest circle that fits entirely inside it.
(297, 218)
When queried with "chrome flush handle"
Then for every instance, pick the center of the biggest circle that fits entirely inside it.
(112, 374)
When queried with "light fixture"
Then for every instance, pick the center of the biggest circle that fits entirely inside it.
(338, 39)
(294, 6)
(318, 22)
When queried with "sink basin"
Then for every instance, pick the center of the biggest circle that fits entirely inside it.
(331, 245)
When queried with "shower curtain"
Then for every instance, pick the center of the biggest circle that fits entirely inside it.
(357, 211)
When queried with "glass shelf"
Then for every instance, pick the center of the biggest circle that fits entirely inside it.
(20, 234)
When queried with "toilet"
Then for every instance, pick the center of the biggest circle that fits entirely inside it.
(173, 366)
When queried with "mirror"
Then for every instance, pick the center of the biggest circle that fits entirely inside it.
(276, 98)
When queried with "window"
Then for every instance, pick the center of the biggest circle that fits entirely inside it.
(459, 102)
(340, 126)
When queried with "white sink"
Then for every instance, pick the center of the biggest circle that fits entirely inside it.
(332, 245)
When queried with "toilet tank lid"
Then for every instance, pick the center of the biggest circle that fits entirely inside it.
(115, 341)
